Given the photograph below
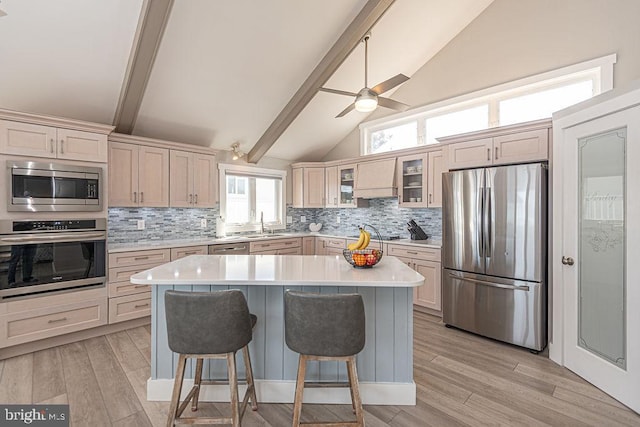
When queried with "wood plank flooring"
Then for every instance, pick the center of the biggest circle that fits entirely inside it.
(462, 380)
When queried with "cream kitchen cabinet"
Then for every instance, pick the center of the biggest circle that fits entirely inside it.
(435, 167)
(346, 185)
(331, 186)
(329, 246)
(177, 253)
(138, 175)
(126, 300)
(412, 181)
(308, 187)
(425, 261)
(509, 145)
(192, 180)
(309, 245)
(27, 139)
(288, 246)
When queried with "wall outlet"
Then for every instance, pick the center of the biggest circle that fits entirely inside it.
(203, 223)
(303, 218)
(338, 219)
(289, 219)
(141, 224)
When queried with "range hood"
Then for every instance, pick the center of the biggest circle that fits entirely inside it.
(376, 179)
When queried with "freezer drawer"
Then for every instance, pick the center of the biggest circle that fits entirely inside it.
(512, 311)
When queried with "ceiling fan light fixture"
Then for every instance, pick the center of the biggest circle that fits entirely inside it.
(235, 149)
(366, 100)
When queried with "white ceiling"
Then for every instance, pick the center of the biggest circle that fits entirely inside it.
(224, 70)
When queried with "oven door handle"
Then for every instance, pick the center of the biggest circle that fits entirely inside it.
(61, 237)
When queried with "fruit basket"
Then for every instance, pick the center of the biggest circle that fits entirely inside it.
(359, 255)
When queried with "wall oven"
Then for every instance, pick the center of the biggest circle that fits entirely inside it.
(52, 187)
(43, 256)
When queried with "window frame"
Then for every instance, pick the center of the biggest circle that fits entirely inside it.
(252, 172)
(599, 70)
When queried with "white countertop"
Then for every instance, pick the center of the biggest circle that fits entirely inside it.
(178, 243)
(294, 270)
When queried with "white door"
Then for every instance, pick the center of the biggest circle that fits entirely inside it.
(601, 253)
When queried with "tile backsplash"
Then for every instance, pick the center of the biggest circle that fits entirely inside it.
(182, 223)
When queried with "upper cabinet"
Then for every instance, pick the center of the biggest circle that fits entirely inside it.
(412, 180)
(376, 178)
(435, 166)
(43, 136)
(331, 186)
(507, 145)
(346, 185)
(138, 175)
(308, 187)
(193, 180)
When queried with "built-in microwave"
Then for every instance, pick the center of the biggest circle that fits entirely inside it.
(52, 187)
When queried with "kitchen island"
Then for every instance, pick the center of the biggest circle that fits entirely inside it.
(385, 366)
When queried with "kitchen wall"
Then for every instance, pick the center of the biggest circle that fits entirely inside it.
(175, 223)
(513, 39)
(383, 214)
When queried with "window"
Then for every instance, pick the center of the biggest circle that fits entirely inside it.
(531, 98)
(249, 194)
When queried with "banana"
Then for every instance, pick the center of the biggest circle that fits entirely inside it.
(356, 245)
(367, 239)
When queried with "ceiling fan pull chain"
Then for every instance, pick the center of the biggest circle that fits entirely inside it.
(366, 60)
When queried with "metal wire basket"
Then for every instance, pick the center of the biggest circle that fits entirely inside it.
(364, 258)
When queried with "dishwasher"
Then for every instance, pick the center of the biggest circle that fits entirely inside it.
(240, 248)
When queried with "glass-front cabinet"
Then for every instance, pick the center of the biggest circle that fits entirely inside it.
(346, 180)
(412, 181)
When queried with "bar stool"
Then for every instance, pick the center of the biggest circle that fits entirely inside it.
(209, 325)
(325, 327)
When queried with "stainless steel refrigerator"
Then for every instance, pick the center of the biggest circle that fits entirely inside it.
(495, 252)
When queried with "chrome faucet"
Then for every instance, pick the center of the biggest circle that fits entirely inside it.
(261, 222)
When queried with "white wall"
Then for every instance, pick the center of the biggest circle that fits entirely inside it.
(513, 39)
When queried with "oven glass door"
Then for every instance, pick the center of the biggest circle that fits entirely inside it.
(35, 263)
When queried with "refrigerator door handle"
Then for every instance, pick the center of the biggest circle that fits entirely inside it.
(488, 213)
(491, 284)
(480, 222)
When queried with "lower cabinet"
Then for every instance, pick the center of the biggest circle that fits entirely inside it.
(308, 245)
(48, 316)
(289, 246)
(329, 246)
(177, 253)
(425, 261)
(126, 300)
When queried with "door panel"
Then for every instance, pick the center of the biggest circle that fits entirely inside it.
(462, 220)
(515, 225)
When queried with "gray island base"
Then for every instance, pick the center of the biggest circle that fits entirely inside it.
(385, 366)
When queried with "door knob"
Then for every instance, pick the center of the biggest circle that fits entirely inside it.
(567, 260)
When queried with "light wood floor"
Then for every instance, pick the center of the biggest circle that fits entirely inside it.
(461, 379)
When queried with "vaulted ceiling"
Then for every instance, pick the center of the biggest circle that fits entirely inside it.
(222, 71)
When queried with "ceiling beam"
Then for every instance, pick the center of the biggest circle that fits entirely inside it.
(151, 26)
(350, 38)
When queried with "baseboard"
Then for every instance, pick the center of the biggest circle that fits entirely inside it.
(30, 347)
(426, 310)
(273, 391)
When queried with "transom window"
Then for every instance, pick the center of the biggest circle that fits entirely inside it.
(249, 195)
(523, 100)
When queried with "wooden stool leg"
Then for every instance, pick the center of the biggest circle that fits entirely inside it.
(196, 384)
(353, 403)
(233, 385)
(250, 384)
(297, 403)
(177, 388)
(355, 390)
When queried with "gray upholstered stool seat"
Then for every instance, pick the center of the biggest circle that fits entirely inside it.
(325, 327)
(209, 325)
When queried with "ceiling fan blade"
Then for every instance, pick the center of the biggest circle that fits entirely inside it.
(390, 84)
(390, 103)
(338, 92)
(346, 110)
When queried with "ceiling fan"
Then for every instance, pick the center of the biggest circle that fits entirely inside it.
(367, 99)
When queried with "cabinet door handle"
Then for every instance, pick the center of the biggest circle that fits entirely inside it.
(412, 253)
(335, 200)
(196, 199)
(488, 154)
(140, 286)
(62, 146)
(191, 253)
(190, 199)
(135, 197)
(52, 143)
(141, 305)
(496, 153)
(142, 197)
(430, 198)
(62, 319)
(138, 258)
